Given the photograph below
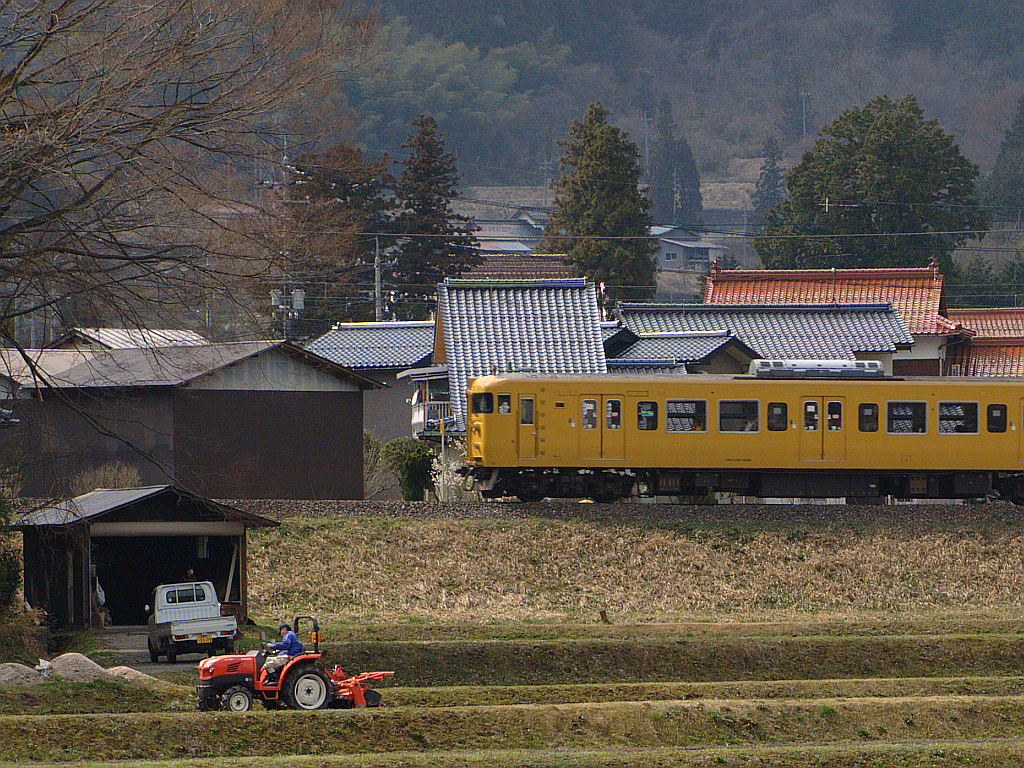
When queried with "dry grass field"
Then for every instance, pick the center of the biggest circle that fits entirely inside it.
(732, 636)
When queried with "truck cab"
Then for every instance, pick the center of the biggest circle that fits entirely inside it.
(186, 618)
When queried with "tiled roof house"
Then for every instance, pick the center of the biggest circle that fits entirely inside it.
(381, 351)
(867, 331)
(997, 347)
(486, 326)
(916, 294)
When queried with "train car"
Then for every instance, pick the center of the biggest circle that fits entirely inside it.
(789, 429)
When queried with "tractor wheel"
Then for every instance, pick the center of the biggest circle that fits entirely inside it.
(154, 653)
(209, 703)
(372, 698)
(307, 688)
(237, 699)
(172, 652)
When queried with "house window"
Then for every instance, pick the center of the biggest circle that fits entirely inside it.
(671, 256)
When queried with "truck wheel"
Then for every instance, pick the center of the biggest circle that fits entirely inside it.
(154, 653)
(237, 699)
(307, 688)
(172, 652)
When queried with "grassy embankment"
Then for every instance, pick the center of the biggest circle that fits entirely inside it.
(766, 643)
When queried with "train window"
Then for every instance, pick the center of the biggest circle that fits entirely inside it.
(686, 415)
(613, 414)
(811, 416)
(904, 418)
(958, 418)
(483, 402)
(738, 416)
(588, 414)
(997, 418)
(646, 415)
(526, 410)
(504, 403)
(778, 417)
(868, 417)
(834, 416)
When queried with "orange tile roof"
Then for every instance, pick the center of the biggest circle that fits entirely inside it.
(996, 357)
(993, 322)
(915, 293)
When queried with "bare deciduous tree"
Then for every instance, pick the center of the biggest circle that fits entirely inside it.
(130, 135)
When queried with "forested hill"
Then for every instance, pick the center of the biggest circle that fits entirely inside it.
(506, 78)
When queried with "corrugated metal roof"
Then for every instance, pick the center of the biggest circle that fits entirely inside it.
(991, 322)
(794, 332)
(915, 293)
(377, 345)
(128, 338)
(547, 326)
(164, 366)
(105, 500)
(89, 505)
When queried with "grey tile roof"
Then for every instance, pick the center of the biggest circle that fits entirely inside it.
(546, 326)
(680, 347)
(794, 332)
(377, 345)
(647, 368)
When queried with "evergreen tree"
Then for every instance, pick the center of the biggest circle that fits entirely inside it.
(770, 189)
(1003, 189)
(673, 176)
(434, 245)
(883, 187)
(340, 208)
(601, 219)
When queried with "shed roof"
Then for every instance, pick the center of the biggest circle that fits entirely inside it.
(547, 326)
(148, 367)
(915, 293)
(95, 504)
(794, 332)
(377, 345)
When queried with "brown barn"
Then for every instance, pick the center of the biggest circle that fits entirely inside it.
(247, 420)
(131, 540)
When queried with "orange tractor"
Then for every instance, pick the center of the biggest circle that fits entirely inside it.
(234, 682)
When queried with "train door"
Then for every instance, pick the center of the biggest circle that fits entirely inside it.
(823, 429)
(527, 427)
(600, 432)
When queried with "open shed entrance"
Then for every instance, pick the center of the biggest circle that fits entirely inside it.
(130, 567)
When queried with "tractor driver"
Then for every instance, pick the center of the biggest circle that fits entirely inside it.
(289, 646)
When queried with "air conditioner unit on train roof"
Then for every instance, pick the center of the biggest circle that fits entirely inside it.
(816, 369)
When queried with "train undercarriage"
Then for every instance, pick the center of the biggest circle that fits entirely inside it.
(611, 485)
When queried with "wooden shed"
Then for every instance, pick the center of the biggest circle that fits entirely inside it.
(129, 540)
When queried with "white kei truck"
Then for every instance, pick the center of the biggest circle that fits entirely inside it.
(186, 618)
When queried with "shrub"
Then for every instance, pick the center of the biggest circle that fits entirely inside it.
(114, 474)
(413, 461)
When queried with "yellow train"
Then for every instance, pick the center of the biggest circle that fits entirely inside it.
(790, 429)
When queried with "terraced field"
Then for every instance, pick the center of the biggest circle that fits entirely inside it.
(904, 682)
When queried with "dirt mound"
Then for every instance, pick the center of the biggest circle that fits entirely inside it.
(78, 668)
(18, 674)
(137, 677)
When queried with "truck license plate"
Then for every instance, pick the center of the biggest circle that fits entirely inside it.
(204, 639)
